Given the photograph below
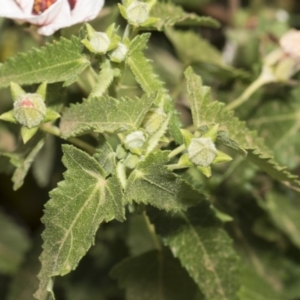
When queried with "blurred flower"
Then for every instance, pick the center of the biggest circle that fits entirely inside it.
(51, 15)
(290, 43)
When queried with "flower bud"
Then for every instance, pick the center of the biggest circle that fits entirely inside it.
(290, 43)
(131, 161)
(100, 42)
(137, 12)
(135, 140)
(119, 54)
(29, 110)
(202, 151)
(153, 120)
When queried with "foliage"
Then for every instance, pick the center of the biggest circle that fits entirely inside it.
(132, 213)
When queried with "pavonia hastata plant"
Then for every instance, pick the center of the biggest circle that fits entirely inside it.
(167, 193)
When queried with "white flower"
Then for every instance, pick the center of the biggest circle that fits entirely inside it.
(51, 15)
(290, 43)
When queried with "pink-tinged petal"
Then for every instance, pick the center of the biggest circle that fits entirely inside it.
(25, 5)
(57, 17)
(86, 10)
(10, 9)
(55, 13)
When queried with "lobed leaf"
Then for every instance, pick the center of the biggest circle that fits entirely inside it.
(39, 65)
(105, 114)
(154, 275)
(197, 239)
(152, 183)
(206, 112)
(170, 15)
(77, 207)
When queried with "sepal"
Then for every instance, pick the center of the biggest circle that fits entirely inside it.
(28, 133)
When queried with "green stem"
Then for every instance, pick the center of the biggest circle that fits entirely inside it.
(253, 87)
(176, 167)
(87, 80)
(47, 127)
(176, 151)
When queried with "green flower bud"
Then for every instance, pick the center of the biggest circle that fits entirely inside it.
(135, 140)
(202, 151)
(153, 120)
(100, 42)
(131, 161)
(137, 12)
(29, 110)
(119, 54)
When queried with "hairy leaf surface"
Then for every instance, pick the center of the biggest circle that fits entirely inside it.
(141, 66)
(170, 15)
(46, 64)
(77, 207)
(197, 239)
(206, 112)
(23, 158)
(154, 275)
(152, 183)
(104, 114)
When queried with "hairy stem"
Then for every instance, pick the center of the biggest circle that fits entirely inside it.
(252, 88)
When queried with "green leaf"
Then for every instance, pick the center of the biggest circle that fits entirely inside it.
(105, 114)
(197, 239)
(152, 183)
(206, 112)
(13, 244)
(192, 49)
(77, 207)
(141, 67)
(154, 275)
(23, 158)
(43, 163)
(105, 156)
(25, 281)
(45, 64)
(139, 238)
(277, 121)
(285, 214)
(256, 287)
(170, 15)
(104, 80)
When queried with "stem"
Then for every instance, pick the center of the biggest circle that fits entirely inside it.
(254, 86)
(47, 127)
(152, 232)
(87, 80)
(176, 151)
(176, 167)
